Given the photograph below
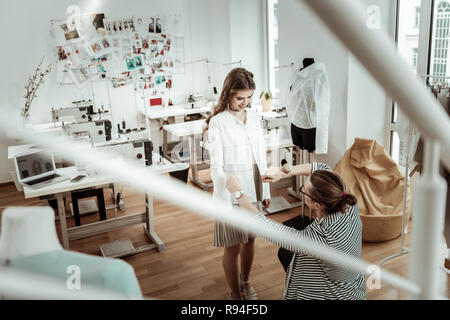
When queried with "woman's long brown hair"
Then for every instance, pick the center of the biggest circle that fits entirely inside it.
(236, 80)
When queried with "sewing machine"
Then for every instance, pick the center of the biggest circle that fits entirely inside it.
(139, 150)
(83, 111)
(76, 114)
(98, 131)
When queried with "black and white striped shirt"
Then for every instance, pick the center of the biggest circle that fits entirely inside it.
(309, 277)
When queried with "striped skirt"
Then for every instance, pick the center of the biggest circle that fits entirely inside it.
(228, 236)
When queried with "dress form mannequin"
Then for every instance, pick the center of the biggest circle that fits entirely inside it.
(27, 231)
(305, 142)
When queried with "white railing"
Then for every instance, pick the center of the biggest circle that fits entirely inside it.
(377, 54)
(196, 201)
(343, 19)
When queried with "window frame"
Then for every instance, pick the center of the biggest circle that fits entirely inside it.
(423, 58)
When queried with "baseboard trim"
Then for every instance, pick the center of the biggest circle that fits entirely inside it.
(4, 184)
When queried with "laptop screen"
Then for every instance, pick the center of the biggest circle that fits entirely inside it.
(34, 165)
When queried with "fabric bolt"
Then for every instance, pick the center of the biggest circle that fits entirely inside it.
(308, 102)
(309, 277)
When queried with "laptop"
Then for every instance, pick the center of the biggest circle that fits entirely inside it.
(37, 170)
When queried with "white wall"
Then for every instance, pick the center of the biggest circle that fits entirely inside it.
(208, 33)
(301, 35)
(358, 105)
(247, 42)
(367, 102)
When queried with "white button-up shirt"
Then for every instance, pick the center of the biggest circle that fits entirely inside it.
(234, 147)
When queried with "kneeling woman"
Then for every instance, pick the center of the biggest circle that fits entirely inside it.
(337, 226)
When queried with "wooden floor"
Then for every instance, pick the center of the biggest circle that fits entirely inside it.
(190, 267)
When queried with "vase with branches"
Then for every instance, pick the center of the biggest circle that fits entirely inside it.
(34, 82)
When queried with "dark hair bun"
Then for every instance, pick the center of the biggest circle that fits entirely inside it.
(343, 204)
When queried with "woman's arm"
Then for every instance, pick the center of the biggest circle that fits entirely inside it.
(301, 170)
(233, 185)
(215, 149)
(274, 174)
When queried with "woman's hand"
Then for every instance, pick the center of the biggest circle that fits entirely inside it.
(273, 174)
(233, 184)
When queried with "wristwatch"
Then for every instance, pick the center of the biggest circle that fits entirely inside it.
(238, 194)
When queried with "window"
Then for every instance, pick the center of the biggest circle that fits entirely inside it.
(407, 42)
(415, 54)
(407, 35)
(439, 50)
(417, 18)
(272, 42)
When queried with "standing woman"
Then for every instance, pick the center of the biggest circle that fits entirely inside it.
(236, 146)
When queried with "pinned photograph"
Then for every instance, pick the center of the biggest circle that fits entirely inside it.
(121, 81)
(131, 25)
(151, 25)
(138, 62)
(145, 43)
(97, 21)
(131, 64)
(95, 47)
(72, 35)
(158, 25)
(107, 25)
(169, 82)
(105, 43)
(64, 27)
(61, 53)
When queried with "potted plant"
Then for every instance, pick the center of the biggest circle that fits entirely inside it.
(266, 101)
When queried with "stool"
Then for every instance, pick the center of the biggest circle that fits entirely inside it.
(180, 175)
(77, 195)
(299, 223)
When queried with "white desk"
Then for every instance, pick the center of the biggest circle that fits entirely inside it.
(157, 117)
(160, 112)
(64, 188)
(188, 129)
